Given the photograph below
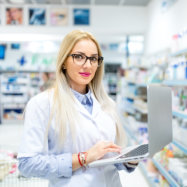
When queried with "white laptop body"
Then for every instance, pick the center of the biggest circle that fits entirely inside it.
(159, 129)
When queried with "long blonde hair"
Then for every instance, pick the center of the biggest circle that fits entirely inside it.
(64, 100)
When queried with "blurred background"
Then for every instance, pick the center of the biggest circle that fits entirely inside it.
(143, 42)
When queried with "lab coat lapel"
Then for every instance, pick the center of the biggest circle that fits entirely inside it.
(95, 110)
(81, 108)
(96, 106)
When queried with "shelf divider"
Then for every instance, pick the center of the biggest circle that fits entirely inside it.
(180, 52)
(175, 82)
(180, 146)
(179, 114)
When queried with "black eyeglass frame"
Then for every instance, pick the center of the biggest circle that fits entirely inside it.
(100, 58)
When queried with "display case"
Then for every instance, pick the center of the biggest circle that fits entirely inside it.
(16, 89)
(170, 163)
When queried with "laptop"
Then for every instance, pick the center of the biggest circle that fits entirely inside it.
(159, 129)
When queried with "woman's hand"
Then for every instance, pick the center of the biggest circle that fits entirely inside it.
(131, 164)
(134, 162)
(100, 149)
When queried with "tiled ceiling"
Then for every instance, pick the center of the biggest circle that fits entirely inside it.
(81, 2)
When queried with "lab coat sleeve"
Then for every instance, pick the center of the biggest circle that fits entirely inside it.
(33, 156)
(47, 166)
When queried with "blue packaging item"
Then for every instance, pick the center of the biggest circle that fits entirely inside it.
(186, 71)
(175, 71)
(132, 88)
(12, 79)
(2, 51)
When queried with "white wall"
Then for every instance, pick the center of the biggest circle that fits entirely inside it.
(162, 25)
(107, 22)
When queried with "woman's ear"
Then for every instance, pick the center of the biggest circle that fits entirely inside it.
(63, 66)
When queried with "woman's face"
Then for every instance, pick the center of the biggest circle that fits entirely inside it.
(81, 75)
(15, 13)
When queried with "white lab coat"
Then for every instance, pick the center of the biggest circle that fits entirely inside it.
(90, 129)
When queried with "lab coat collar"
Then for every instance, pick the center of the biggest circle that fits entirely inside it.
(95, 110)
(81, 97)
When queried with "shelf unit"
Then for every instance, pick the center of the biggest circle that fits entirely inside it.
(165, 173)
(130, 133)
(175, 84)
(16, 89)
(141, 165)
(137, 84)
(179, 145)
(182, 147)
(144, 171)
(159, 166)
(132, 96)
(178, 113)
(139, 109)
(110, 79)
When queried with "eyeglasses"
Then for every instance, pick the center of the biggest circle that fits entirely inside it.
(80, 59)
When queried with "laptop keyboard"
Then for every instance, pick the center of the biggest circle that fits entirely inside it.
(140, 150)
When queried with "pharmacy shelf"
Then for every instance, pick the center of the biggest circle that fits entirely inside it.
(157, 164)
(175, 82)
(134, 97)
(175, 142)
(129, 111)
(145, 67)
(136, 83)
(141, 85)
(180, 52)
(141, 165)
(140, 109)
(130, 133)
(179, 114)
(180, 146)
(165, 173)
(144, 171)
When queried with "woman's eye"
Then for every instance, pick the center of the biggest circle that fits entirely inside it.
(94, 59)
(79, 57)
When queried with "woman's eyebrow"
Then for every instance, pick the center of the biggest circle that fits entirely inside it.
(84, 53)
(79, 52)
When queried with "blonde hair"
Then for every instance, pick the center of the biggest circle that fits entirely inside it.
(64, 100)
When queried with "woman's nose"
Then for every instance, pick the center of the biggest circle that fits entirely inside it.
(88, 63)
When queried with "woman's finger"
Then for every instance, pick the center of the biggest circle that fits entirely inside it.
(112, 150)
(112, 145)
(133, 162)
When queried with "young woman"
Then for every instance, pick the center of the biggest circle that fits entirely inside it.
(73, 123)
